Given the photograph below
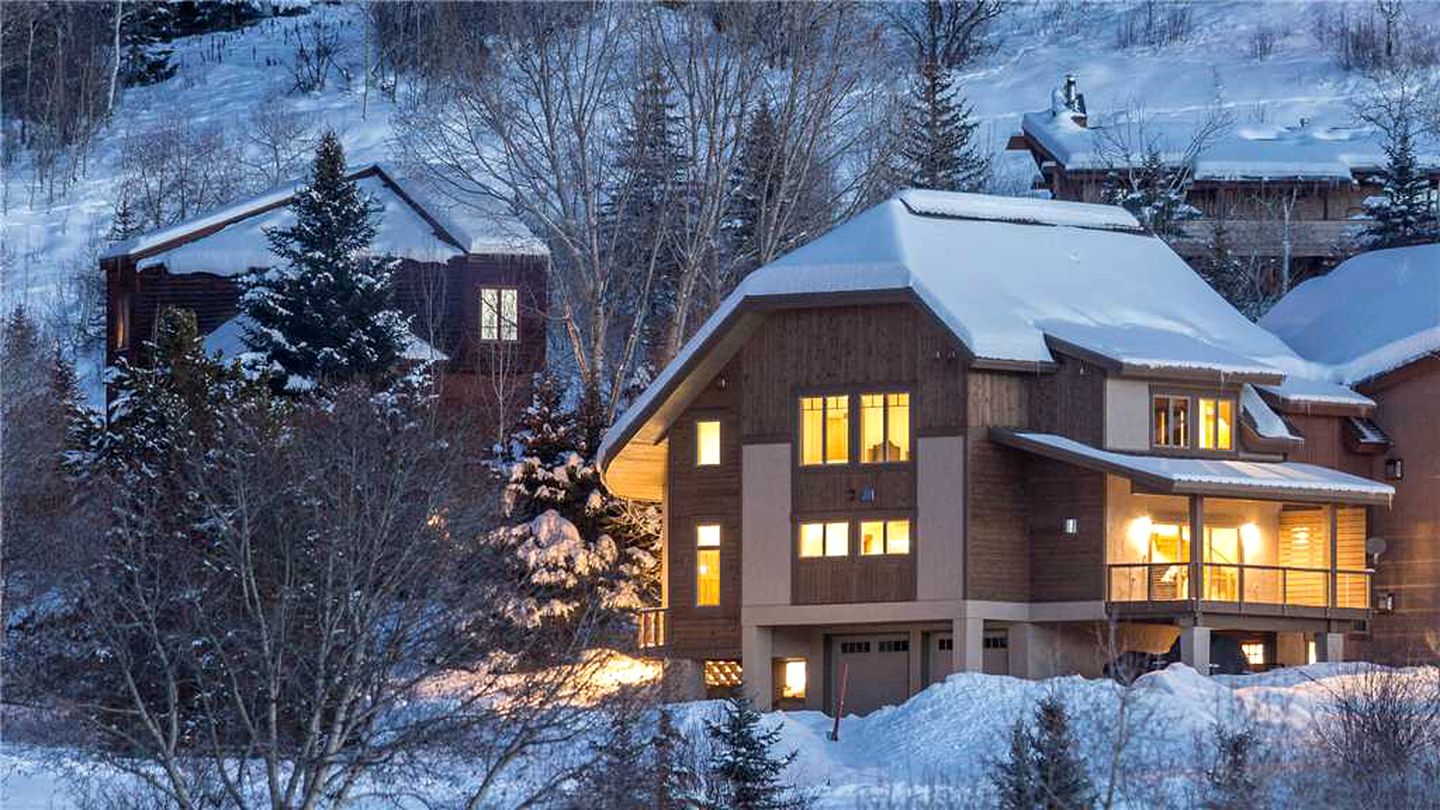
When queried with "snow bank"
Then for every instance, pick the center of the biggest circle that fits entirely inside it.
(1374, 313)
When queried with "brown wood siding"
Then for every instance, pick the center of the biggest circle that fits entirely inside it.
(214, 300)
(1410, 566)
(444, 302)
(1065, 568)
(705, 495)
(835, 580)
(1071, 402)
(997, 560)
(1325, 446)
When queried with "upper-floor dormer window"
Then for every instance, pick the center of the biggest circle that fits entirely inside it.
(884, 428)
(825, 430)
(707, 442)
(1181, 421)
(499, 314)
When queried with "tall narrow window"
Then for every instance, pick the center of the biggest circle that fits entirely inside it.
(499, 314)
(825, 539)
(707, 442)
(1216, 418)
(1172, 421)
(884, 428)
(824, 430)
(884, 537)
(707, 565)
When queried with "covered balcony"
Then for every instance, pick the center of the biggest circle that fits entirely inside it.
(1226, 536)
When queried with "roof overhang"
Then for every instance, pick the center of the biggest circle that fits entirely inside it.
(1190, 373)
(1223, 478)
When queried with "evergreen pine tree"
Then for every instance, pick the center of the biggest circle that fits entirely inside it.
(622, 775)
(758, 192)
(126, 224)
(677, 786)
(1153, 191)
(326, 312)
(936, 148)
(1403, 214)
(747, 774)
(1060, 774)
(1014, 778)
(546, 431)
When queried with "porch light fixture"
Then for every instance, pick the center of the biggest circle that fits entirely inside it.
(1072, 526)
(1386, 602)
(1394, 468)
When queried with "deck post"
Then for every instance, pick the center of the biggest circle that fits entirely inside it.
(1195, 648)
(1197, 552)
(1334, 550)
(755, 652)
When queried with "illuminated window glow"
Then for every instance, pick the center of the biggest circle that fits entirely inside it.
(884, 537)
(1254, 652)
(884, 428)
(825, 539)
(824, 430)
(499, 314)
(1216, 417)
(707, 443)
(707, 565)
(792, 682)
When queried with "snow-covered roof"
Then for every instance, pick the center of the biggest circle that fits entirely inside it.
(1004, 287)
(228, 340)
(1249, 151)
(402, 229)
(1286, 480)
(1374, 313)
(1017, 209)
(1267, 423)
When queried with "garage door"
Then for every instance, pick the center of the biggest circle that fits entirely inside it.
(879, 670)
(939, 656)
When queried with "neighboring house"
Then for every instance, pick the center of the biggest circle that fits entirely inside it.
(1293, 192)
(962, 432)
(1374, 323)
(473, 283)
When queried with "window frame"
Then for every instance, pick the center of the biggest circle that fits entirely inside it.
(884, 426)
(853, 538)
(719, 441)
(500, 323)
(1193, 396)
(719, 549)
(852, 394)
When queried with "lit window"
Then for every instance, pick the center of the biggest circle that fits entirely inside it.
(499, 314)
(792, 681)
(885, 537)
(1172, 421)
(1216, 417)
(707, 565)
(1254, 653)
(1310, 656)
(825, 430)
(825, 539)
(884, 427)
(707, 443)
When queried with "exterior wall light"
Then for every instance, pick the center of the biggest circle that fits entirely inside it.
(1072, 526)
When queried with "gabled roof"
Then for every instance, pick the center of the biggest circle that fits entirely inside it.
(1227, 478)
(412, 224)
(1006, 277)
(1374, 313)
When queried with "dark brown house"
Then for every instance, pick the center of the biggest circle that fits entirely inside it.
(1291, 193)
(473, 283)
(975, 433)
(1374, 323)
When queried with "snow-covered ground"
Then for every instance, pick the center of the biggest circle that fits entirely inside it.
(939, 746)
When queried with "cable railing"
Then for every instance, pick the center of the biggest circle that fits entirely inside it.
(1240, 584)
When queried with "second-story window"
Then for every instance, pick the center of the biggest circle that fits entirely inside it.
(825, 430)
(825, 539)
(707, 565)
(884, 428)
(1216, 418)
(707, 442)
(884, 537)
(499, 314)
(1172, 421)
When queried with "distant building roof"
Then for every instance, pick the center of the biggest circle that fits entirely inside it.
(413, 224)
(1373, 313)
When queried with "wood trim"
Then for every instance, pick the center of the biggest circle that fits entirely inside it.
(1193, 450)
(1311, 408)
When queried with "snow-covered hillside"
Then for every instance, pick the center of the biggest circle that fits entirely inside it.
(938, 748)
(223, 79)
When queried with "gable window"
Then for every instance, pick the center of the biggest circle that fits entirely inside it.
(707, 442)
(1216, 417)
(707, 565)
(824, 430)
(1172, 421)
(885, 537)
(825, 539)
(499, 314)
(884, 428)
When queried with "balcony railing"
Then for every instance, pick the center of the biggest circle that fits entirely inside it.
(651, 625)
(1240, 584)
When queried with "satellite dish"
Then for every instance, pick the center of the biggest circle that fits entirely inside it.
(1375, 546)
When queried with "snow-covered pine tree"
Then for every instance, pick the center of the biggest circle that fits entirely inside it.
(746, 772)
(325, 313)
(1240, 279)
(644, 207)
(546, 430)
(936, 147)
(1063, 784)
(677, 785)
(757, 188)
(1153, 191)
(1014, 777)
(1403, 214)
